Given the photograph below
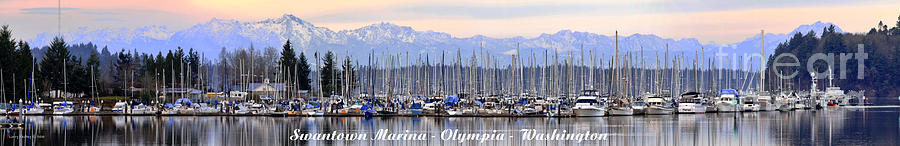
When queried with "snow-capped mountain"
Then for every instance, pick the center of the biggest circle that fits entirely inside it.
(210, 37)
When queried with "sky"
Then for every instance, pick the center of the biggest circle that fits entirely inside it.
(711, 22)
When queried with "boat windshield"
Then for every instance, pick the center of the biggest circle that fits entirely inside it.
(689, 100)
(640, 104)
(435, 100)
(585, 101)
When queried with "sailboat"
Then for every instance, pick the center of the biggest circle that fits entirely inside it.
(142, 109)
(784, 101)
(658, 105)
(64, 107)
(92, 106)
(764, 99)
(621, 105)
(33, 108)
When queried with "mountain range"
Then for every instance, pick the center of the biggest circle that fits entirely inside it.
(210, 37)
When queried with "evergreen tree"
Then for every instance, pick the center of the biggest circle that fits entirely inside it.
(79, 76)
(896, 29)
(93, 64)
(193, 62)
(124, 72)
(52, 65)
(223, 80)
(7, 48)
(330, 75)
(288, 62)
(23, 67)
(303, 73)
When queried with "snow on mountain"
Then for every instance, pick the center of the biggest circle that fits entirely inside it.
(211, 36)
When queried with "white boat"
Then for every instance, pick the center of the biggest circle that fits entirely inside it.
(34, 110)
(241, 109)
(765, 101)
(834, 96)
(93, 109)
(454, 112)
(588, 104)
(640, 107)
(206, 109)
(142, 109)
(799, 105)
(259, 109)
(60, 108)
(119, 107)
(691, 103)
(433, 104)
(313, 112)
(621, 111)
(621, 107)
(727, 101)
(749, 104)
(528, 110)
(785, 102)
(658, 106)
(469, 111)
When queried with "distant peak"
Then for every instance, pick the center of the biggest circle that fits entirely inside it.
(217, 20)
(386, 25)
(287, 18)
(817, 26)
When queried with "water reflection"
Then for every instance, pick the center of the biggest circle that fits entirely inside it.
(839, 127)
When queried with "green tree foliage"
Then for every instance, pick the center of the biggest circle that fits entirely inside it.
(56, 57)
(15, 65)
(331, 76)
(881, 67)
(7, 61)
(288, 63)
(303, 71)
(124, 71)
(23, 70)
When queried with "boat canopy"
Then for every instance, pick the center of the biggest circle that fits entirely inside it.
(183, 101)
(728, 91)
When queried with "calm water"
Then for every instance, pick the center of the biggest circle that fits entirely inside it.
(874, 126)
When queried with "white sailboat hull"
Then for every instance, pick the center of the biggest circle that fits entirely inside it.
(655, 110)
(691, 108)
(63, 111)
(621, 112)
(34, 111)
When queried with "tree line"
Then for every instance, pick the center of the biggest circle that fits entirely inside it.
(881, 73)
(83, 71)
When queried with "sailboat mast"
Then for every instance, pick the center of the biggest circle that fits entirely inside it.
(762, 64)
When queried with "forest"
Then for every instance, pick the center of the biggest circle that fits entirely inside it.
(881, 68)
